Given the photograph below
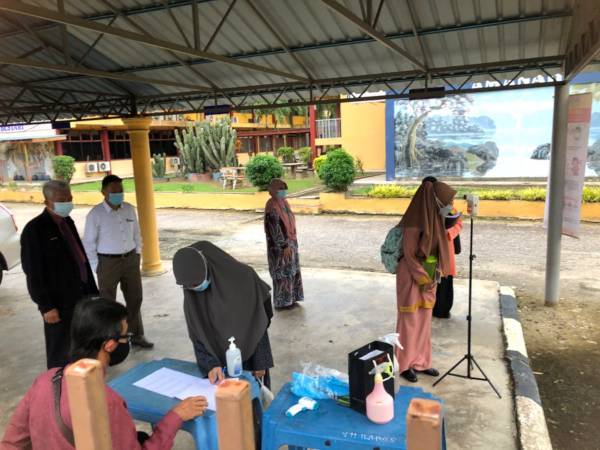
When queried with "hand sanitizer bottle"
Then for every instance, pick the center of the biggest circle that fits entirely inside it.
(234, 359)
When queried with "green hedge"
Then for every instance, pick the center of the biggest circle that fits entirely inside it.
(591, 194)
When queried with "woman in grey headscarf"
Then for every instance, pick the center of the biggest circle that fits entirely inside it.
(223, 298)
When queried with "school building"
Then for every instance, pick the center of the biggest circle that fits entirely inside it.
(102, 146)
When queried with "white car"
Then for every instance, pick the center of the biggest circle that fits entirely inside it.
(10, 245)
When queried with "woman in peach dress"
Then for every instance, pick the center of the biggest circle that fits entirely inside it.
(424, 235)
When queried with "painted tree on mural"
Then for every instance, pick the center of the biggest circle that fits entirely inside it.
(410, 124)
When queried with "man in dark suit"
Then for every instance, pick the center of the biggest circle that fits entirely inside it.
(57, 269)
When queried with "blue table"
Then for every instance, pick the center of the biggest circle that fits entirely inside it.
(150, 407)
(332, 426)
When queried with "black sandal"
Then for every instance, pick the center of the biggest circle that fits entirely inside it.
(410, 375)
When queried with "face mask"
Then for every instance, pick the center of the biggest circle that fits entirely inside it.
(282, 193)
(116, 198)
(201, 287)
(206, 283)
(445, 211)
(119, 354)
(63, 209)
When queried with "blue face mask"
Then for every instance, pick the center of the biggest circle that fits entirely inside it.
(201, 287)
(116, 198)
(282, 193)
(63, 209)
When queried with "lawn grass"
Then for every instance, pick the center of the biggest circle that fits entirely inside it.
(296, 185)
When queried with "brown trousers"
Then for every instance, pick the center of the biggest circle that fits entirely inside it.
(126, 271)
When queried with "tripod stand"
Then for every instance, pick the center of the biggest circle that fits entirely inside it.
(469, 358)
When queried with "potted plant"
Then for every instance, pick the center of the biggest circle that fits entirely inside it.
(286, 154)
(305, 155)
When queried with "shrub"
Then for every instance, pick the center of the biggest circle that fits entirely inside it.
(159, 166)
(338, 171)
(64, 167)
(305, 154)
(318, 163)
(286, 154)
(261, 169)
(391, 191)
(358, 165)
(591, 194)
(206, 145)
(532, 194)
(495, 194)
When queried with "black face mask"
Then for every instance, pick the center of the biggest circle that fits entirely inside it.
(119, 354)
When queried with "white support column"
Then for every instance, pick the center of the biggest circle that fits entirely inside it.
(556, 193)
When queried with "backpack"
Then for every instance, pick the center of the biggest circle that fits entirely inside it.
(391, 249)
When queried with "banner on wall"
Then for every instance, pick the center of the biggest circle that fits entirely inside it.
(578, 130)
(22, 132)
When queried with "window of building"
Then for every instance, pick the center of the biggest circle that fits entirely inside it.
(279, 142)
(83, 145)
(303, 140)
(118, 142)
(246, 144)
(163, 141)
(265, 144)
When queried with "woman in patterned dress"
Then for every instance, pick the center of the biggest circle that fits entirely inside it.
(282, 248)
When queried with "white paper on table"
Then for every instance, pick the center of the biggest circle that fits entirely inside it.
(171, 383)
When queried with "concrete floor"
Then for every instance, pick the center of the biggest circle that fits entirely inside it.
(343, 310)
(510, 252)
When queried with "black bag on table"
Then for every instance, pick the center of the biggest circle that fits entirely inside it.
(360, 364)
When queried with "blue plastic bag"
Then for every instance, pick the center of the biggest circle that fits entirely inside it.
(320, 383)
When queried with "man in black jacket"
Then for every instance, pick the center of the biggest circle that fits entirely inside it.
(57, 269)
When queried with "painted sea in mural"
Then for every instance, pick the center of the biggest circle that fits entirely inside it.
(490, 135)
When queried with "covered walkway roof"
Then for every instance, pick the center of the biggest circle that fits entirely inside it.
(72, 59)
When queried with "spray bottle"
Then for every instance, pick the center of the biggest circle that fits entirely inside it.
(394, 340)
(380, 404)
(234, 359)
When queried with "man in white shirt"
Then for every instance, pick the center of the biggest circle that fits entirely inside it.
(113, 246)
